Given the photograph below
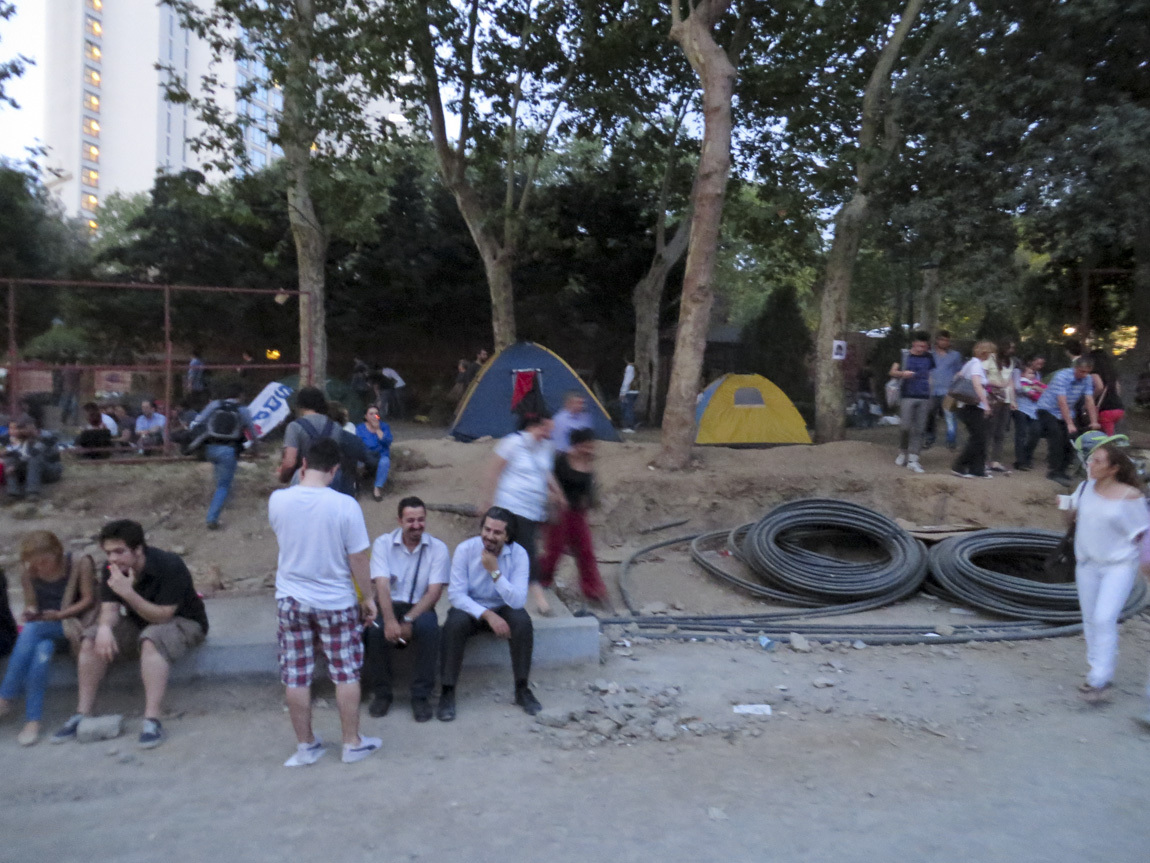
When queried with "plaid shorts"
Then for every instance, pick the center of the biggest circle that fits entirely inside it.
(340, 638)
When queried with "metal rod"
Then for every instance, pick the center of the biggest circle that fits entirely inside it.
(153, 367)
(167, 366)
(138, 286)
(12, 349)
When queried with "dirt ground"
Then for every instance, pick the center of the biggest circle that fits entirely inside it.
(924, 754)
(933, 753)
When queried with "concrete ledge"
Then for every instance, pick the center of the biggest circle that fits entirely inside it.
(242, 643)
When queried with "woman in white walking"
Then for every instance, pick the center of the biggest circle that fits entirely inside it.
(1110, 512)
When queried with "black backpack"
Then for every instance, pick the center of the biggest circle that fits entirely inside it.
(224, 424)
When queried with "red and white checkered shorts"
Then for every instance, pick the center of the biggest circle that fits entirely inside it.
(340, 638)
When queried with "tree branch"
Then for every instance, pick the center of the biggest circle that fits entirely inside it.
(560, 98)
(512, 138)
(449, 168)
(465, 106)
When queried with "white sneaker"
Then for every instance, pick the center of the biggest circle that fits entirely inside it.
(361, 750)
(306, 754)
(901, 460)
(912, 464)
(628, 431)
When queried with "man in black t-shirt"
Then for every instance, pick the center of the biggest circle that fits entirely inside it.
(149, 606)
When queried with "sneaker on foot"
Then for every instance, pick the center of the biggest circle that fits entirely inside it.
(29, 734)
(446, 710)
(900, 460)
(913, 465)
(151, 734)
(359, 751)
(628, 431)
(306, 754)
(526, 699)
(213, 525)
(67, 731)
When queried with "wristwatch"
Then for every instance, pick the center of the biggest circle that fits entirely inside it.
(495, 573)
(407, 619)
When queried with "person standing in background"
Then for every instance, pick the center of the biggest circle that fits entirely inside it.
(628, 395)
(914, 399)
(1028, 387)
(1108, 395)
(947, 363)
(999, 369)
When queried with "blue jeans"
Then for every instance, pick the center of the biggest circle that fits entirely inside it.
(382, 469)
(223, 458)
(628, 401)
(30, 664)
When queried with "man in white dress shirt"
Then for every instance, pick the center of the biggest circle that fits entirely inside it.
(408, 570)
(488, 589)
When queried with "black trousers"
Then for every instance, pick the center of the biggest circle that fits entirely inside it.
(972, 459)
(527, 535)
(1058, 451)
(377, 653)
(460, 626)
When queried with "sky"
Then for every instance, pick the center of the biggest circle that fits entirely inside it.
(23, 33)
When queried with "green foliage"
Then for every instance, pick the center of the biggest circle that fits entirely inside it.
(778, 345)
(14, 67)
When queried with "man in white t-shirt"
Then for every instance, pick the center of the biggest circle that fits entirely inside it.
(408, 570)
(322, 548)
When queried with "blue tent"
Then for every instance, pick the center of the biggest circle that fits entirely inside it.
(486, 406)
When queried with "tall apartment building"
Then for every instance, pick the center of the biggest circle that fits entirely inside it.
(107, 124)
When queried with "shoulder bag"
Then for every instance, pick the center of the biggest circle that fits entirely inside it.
(962, 390)
(74, 626)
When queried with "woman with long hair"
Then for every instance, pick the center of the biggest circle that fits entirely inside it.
(1110, 515)
(1107, 393)
(377, 438)
(971, 462)
(57, 589)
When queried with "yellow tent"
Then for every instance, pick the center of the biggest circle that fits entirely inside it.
(747, 409)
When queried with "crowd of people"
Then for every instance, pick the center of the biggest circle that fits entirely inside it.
(992, 390)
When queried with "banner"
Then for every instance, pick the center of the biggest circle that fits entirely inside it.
(270, 407)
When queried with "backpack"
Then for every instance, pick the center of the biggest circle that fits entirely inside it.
(224, 424)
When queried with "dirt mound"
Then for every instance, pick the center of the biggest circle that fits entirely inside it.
(723, 488)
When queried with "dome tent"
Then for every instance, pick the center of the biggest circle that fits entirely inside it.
(487, 408)
(747, 409)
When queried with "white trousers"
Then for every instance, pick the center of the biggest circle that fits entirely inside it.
(1102, 591)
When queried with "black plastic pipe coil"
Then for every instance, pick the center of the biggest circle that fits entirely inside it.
(956, 573)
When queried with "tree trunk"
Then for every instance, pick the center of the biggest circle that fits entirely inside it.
(307, 232)
(499, 282)
(931, 299)
(879, 134)
(647, 299)
(830, 407)
(717, 77)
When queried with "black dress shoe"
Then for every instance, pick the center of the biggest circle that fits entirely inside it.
(380, 704)
(446, 711)
(421, 709)
(526, 699)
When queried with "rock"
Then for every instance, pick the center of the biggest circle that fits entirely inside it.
(944, 630)
(822, 683)
(665, 730)
(858, 644)
(553, 717)
(799, 643)
(95, 728)
(606, 727)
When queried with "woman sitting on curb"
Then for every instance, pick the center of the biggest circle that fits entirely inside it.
(57, 593)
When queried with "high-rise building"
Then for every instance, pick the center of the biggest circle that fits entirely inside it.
(107, 124)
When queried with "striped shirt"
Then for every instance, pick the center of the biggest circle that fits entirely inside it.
(1064, 383)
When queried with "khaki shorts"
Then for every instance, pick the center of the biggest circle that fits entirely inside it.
(172, 639)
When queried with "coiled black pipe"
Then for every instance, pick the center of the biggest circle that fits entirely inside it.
(955, 572)
(774, 549)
